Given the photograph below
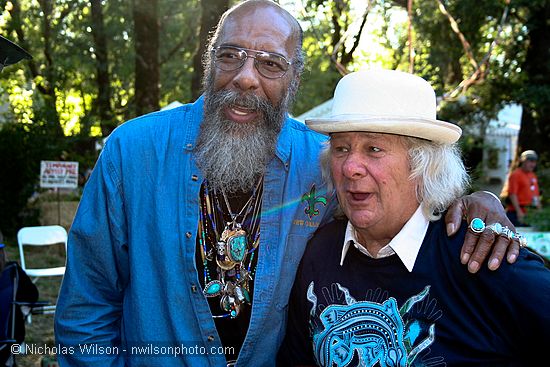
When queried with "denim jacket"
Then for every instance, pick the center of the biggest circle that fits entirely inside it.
(131, 295)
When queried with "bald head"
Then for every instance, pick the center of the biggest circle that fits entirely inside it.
(252, 9)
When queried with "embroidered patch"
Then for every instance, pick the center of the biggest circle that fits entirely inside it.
(311, 200)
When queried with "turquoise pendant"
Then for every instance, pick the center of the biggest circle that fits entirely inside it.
(213, 289)
(236, 246)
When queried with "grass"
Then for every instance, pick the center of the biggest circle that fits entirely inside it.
(40, 331)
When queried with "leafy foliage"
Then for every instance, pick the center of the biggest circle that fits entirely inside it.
(52, 100)
(539, 219)
(22, 146)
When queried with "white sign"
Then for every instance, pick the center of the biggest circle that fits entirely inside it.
(59, 174)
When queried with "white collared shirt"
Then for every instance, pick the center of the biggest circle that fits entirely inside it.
(406, 244)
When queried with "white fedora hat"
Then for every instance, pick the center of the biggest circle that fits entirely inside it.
(386, 101)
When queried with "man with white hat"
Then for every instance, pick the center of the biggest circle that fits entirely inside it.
(522, 188)
(383, 284)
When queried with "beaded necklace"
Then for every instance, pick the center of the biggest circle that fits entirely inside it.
(232, 251)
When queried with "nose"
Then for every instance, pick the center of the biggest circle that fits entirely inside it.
(354, 167)
(247, 77)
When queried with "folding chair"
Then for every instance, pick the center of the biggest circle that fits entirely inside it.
(42, 236)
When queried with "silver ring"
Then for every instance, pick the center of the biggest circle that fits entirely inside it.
(496, 228)
(522, 240)
(507, 232)
(477, 225)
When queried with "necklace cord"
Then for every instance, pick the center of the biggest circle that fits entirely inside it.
(234, 278)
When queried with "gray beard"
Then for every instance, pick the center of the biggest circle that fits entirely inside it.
(233, 156)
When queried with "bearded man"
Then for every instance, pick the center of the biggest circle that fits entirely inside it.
(190, 229)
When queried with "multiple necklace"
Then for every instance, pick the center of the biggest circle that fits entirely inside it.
(231, 245)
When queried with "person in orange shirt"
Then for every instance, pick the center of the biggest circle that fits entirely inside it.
(523, 188)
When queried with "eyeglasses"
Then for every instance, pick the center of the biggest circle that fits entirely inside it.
(268, 64)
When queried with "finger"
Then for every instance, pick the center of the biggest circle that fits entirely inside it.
(513, 251)
(499, 251)
(513, 245)
(453, 218)
(482, 246)
(470, 241)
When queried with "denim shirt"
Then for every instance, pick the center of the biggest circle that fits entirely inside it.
(131, 295)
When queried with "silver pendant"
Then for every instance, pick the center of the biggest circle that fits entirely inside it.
(231, 247)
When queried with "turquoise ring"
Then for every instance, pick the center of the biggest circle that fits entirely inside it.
(477, 225)
(496, 228)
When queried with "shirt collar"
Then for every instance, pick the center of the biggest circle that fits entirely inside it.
(406, 244)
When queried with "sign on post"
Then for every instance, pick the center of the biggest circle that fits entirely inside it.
(59, 174)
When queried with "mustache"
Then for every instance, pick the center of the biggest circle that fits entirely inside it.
(232, 155)
(227, 98)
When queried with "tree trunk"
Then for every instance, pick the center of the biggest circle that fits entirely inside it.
(102, 103)
(50, 98)
(212, 10)
(535, 120)
(45, 79)
(147, 73)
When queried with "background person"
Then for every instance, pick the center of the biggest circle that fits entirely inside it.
(383, 286)
(192, 224)
(522, 189)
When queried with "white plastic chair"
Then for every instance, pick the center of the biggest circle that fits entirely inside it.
(41, 236)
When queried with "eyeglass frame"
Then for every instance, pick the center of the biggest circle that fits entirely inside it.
(247, 55)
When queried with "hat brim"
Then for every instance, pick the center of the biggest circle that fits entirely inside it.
(11, 53)
(434, 130)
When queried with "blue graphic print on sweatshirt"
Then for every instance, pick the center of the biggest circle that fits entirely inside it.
(373, 332)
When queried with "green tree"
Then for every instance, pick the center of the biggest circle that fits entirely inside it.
(84, 79)
(146, 42)
(534, 92)
(102, 103)
(211, 11)
(476, 60)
